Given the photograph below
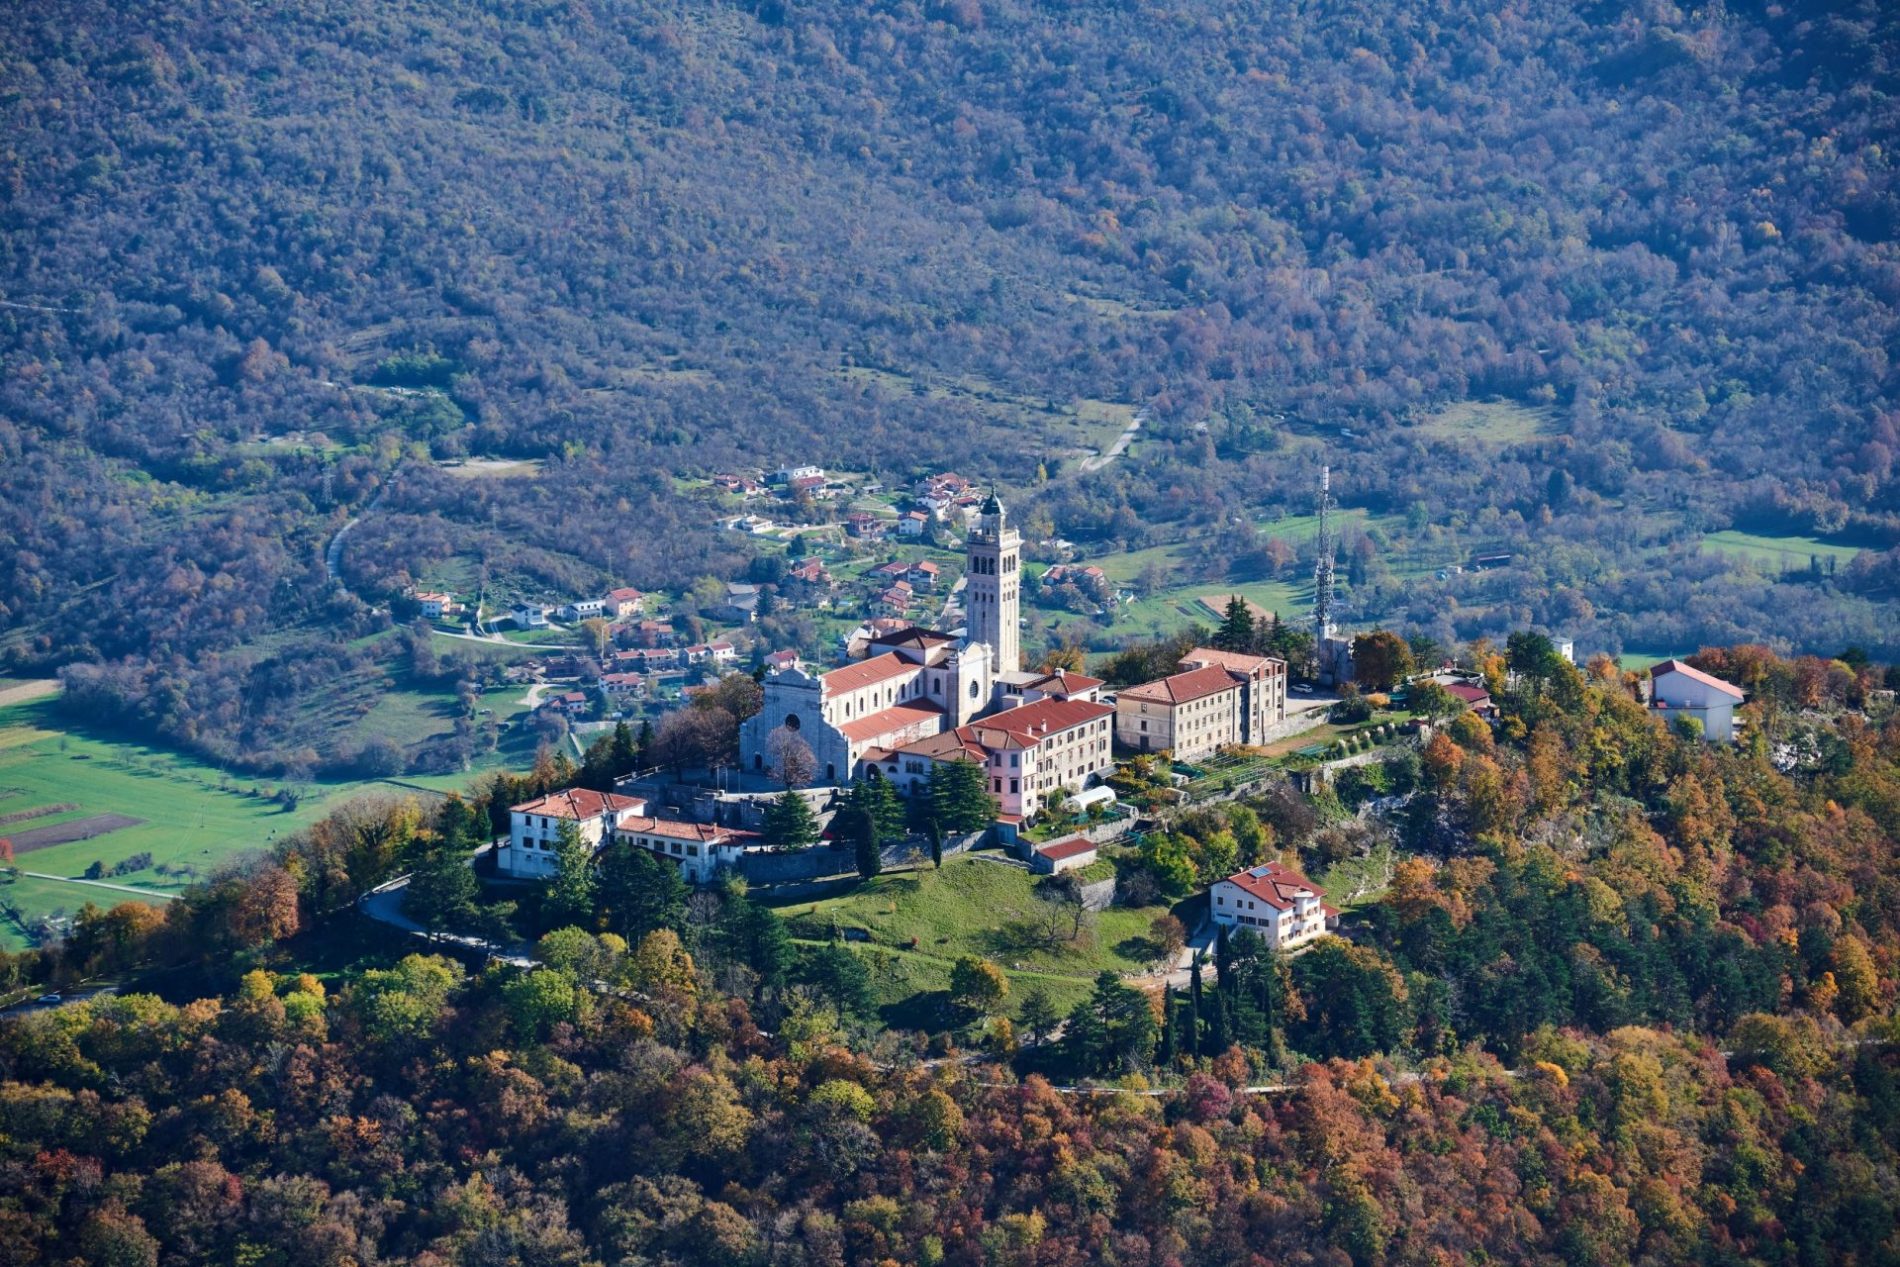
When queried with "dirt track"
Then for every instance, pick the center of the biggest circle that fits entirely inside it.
(67, 833)
(27, 692)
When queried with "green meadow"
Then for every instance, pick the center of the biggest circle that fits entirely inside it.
(1779, 554)
(194, 815)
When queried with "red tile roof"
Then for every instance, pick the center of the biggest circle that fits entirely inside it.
(1469, 694)
(887, 720)
(879, 668)
(578, 803)
(1066, 848)
(1064, 682)
(1248, 664)
(673, 829)
(1694, 675)
(1182, 688)
(1275, 885)
(1032, 723)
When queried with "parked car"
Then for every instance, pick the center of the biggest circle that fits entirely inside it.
(47, 998)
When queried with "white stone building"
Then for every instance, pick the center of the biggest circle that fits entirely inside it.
(1682, 690)
(534, 827)
(701, 850)
(1279, 905)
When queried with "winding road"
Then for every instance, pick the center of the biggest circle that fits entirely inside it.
(1115, 450)
(333, 553)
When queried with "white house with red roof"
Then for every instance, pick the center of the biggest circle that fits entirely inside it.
(700, 850)
(624, 602)
(1276, 903)
(1682, 690)
(534, 827)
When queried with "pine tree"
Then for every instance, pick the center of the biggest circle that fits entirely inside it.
(1217, 1039)
(1190, 1041)
(640, 893)
(643, 747)
(1236, 632)
(789, 822)
(626, 756)
(879, 799)
(936, 843)
(960, 799)
(570, 898)
(857, 827)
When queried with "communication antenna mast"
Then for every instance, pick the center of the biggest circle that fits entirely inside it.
(1323, 626)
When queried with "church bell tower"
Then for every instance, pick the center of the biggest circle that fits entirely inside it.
(992, 586)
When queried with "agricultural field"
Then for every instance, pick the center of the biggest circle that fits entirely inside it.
(972, 906)
(113, 798)
(1776, 555)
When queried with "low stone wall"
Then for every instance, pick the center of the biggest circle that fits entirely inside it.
(826, 861)
(1100, 895)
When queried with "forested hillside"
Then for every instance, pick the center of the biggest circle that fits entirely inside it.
(1629, 998)
(254, 260)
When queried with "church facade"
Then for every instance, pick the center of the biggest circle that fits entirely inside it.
(910, 685)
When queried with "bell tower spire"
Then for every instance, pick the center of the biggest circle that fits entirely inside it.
(993, 586)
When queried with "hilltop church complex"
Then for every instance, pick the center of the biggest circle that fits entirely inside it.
(919, 697)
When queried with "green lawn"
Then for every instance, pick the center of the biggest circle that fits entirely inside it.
(195, 815)
(973, 906)
(1779, 554)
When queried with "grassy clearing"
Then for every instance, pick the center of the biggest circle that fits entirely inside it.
(1779, 554)
(1490, 421)
(976, 906)
(1637, 659)
(491, 468)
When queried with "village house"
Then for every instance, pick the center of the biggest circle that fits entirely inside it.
(571, 704)
(622, 687)
(1064, 855)
(644, 633)
(924, 575)
(865, 526)
(782, 661)
(1074, 574)
(1682, 690)
(912, 523)
(435, 604)
(1280, 906)
(531, 616)
(1475, 698)
(740, 605)
(1026, 752)
(700, 850)
(894, 601)
(1263, 688)
(738, 485)
(787, 475)
(534, 828)
(584, 609)
(624, 602)
(809, 575)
